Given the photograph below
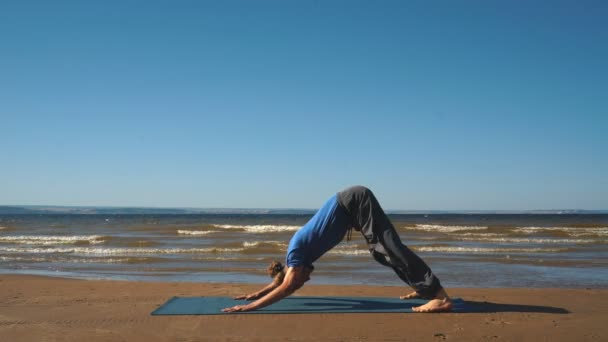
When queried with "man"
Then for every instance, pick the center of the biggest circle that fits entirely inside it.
(354, 208)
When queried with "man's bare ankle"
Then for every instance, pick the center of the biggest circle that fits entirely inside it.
(441, 294)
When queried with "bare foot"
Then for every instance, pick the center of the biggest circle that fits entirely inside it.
(435, 305)
(441, 303)
(412, 295)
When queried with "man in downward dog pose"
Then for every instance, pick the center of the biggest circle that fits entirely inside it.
(354, 208)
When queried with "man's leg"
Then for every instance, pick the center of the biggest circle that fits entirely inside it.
(382, 237)
(409, 266)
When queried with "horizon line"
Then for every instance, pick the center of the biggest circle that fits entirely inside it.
(114, 207)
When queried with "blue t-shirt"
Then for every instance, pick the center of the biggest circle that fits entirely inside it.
(324, 230)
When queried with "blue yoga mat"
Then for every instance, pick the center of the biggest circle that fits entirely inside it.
(214, 305)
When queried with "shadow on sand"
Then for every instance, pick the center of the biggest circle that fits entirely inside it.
(473, 306)
(355, 304)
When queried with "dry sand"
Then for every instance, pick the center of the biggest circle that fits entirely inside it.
(52, 309)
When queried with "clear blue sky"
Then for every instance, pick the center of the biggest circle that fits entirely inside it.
(432, 104)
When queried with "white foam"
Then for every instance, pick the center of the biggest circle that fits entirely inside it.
(539, 241)
(99, 261)
(51, 240)
(196, 232)
(349, 252)
(118, 251)
(217, 258)
(349, 249)
(572, 231)
(257, 243)
(481, 234)
(455, 249)
(259, 228)
(444, 229)
(17, 258)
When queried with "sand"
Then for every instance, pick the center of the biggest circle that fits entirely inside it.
(36, 308)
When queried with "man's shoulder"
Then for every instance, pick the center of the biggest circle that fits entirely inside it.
(297, 255)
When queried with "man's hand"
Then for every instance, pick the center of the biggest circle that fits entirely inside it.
(248, 297)
(295, 277)
(238, 308)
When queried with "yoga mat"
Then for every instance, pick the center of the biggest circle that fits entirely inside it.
(214, 305)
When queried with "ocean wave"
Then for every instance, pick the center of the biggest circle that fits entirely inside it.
(349, 249)
(127, 260)
(571, 231)
(224, 258)
(119, 251)
(351, 245)
(95, 260)
(53, 240)
(348, 252)
(481, 234)
(196, 232)
(19, 258)
(532, 241)
(442, 228)
(248, 244)
(455, 249)
(484, 250)
(259, 228)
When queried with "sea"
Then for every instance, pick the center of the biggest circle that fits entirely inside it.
(463, 250)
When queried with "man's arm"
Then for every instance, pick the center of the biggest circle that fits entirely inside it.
(261, 292)
(294, 279)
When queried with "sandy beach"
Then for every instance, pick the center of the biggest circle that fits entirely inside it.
(34, 308)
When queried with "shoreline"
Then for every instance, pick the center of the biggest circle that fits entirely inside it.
(259, 279)
(64, 309)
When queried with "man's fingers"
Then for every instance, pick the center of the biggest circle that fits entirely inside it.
(234, 309)
(246, 297)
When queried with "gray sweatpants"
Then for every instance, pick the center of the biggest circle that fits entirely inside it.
(383, 240)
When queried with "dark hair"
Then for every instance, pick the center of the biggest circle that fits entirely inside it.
(276, 271)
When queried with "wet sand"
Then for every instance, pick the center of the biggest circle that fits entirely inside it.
(36, 308)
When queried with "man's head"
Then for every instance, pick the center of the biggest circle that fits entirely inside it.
(276, 270)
